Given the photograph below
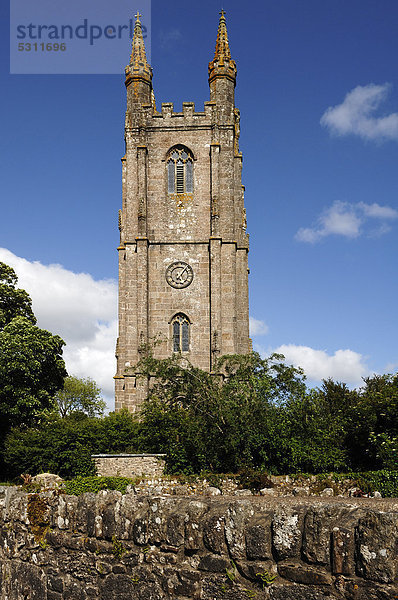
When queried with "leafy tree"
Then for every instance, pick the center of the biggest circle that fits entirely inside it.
(321, 426)
(14, 302)
(180, 401)
(314, 441)
(372, 442)
(82, 395)
(31, 371)
(31, 364)
(259, 414)
(221, 423)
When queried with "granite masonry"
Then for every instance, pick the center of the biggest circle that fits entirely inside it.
(183, 268)
(111, 546)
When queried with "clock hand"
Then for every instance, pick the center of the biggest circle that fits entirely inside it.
(178, 276)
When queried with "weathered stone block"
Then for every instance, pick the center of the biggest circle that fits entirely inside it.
(193, 521)
(253, 570)
(238, 514)
(108, 522)
(215, 564)
(318, 526)
(175, 530)
(377, 547)
(56, 584)
(87, 513)
(300, 573)
(296, 591)
(258, 540)
(188, 584)
(118, 587)
(343, 548)
(214, 534)
(287, 532)
(140, 531)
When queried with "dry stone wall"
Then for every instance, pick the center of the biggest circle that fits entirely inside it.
(130, 547)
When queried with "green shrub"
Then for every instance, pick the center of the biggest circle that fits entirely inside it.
(384, 481)
(254, 480)
(64, 445)
(81, 485)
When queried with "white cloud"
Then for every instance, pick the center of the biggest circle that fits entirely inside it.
(344, 365)
(377, 211)
(305, 234)
(257, 327)
(169, 38)
(348, 220)
(79, 309)
(355, 115)
(391, 367)
(96, 358)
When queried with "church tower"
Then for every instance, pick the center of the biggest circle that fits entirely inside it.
(183, 272)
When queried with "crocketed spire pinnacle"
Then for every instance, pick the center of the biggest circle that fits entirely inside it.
(222, 46)
(138, 60)
(222, 66)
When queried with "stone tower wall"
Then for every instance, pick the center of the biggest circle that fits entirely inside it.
(206, 229)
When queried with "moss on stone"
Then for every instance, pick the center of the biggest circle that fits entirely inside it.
(38, 519)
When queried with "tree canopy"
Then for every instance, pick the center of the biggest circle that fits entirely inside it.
(14, 302)
(255, 414)
(31, 364)
(263, 416)
(79, 395)
(222, 422)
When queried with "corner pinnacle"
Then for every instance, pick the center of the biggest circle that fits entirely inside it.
(222, 45)
(138, 60)
(222, 66)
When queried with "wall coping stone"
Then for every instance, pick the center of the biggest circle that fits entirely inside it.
(124, 455)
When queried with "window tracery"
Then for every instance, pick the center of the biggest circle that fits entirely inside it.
(180, 171)
(180, 328)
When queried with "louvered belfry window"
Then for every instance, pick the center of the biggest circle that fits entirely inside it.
(180, 171)
(180, 325)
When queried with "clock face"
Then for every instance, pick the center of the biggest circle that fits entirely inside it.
(179, 274)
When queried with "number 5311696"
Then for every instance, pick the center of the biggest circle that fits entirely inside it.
(41, 47)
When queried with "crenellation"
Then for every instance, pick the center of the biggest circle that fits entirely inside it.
(167, 109)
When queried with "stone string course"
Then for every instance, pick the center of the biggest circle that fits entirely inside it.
(111, 546)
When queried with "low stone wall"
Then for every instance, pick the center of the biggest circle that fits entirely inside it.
(111, 546)
(129, 465)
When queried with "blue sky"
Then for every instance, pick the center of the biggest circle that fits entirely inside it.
(318, 94)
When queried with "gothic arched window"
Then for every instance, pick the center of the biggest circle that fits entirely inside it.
(180, 328)
(180, 171)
